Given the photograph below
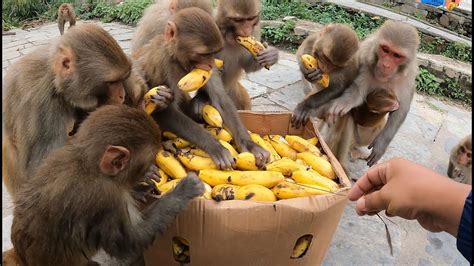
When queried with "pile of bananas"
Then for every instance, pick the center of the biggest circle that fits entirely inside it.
(310, 62)
(296, 167)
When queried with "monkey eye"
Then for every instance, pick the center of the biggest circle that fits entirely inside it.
(461, 149)
(239, 20)
(252, 18)
(385, 49)
(397, 55)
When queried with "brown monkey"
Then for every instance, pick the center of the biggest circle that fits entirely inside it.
(334, 47)
(191, 40)
(240, 18)
(79, 200)
(387, 61)
(460, 161)
(370, 118)
(156, 16)
(78, 71)
(66, 14)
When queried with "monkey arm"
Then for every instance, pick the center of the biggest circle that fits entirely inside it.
(248, 62)
(395, 120)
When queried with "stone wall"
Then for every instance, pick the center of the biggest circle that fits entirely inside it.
(457, 20)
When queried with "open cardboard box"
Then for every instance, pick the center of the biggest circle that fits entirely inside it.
(247, 233)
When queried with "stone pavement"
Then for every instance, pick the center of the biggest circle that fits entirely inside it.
(424, 27)
(432, 128)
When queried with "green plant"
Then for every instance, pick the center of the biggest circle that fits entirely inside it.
(429, 84)
(282, 35)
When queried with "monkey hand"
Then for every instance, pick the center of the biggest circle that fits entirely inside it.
(268, 56)
(140, 190)
(312, 75)
(151, 174)
(336, 110)
(262, 156)
(300, 115)
(163, 97)
(378, 147)
(190, 186)
(221, 156)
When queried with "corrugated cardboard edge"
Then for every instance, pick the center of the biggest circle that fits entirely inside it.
(263, 233)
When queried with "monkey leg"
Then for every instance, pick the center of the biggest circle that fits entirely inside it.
(240, 96)
(9, 258)
(61, 24)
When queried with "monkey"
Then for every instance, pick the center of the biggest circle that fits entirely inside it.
(387, 60)
(191, 40)
(44, 89)
(79, 200)
(460, 161)
(66, 14)
(334, 47)
(156, 16)
(370, 118)
(240, 18)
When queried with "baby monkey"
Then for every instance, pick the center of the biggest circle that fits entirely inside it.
(460, 161)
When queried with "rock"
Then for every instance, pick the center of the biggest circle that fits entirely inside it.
(444, 20)
(287, 18)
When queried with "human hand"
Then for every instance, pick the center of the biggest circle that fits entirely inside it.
(408, 190)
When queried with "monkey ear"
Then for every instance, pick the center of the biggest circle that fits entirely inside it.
(170, 31)
(114, 160)
(173, 6)
(64, 62)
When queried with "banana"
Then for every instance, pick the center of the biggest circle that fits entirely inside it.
(303, 163)
(325, 157)
(313, 178)
(285, 166)
(196, 163)
(255, 193)
(194, 80)
(149, 105)
(301, 246)
(199, 152)
(181, 143)
(313, 140)
(163, 178)
(220, 133)
(246, 161)
(219, 63)
(311, 62)
(281, 146)
(318, 164)
(166, 187)
(301, 145)
(288, 190)
(290, 180)
(169, 135)
(207, 191)
(224, 192)
(231, 149)
(252, 45)
(168, 163)
(267, 146)
(211, 116)
(241, 178)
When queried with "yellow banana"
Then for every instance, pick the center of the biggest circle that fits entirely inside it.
(196, 163)
(246, 161)
(207, 191)
(241, 178)
(313, 178)
(313, 140)
(255, 193)
(220, 133)
(181, 143)
(301, 145)
(219, 63)
(169, 135)
(163, 178)
(311, 62)
(149, 105)
(290, 180)
(281, 146)
(325, 157)
(303, 163)
(231, 149)
(194, 80)
(211, 116)
(318, 164)
(199, 152)
(301, 246)
(168, 163)
(166, 187)
(285, 166)
(252, 45)
(267, 146)
(181, 250)
(224, 192)
(288, 190)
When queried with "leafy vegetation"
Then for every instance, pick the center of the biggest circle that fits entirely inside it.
(282, 36)
(429, 84)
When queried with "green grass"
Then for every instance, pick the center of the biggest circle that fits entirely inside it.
(428, 83)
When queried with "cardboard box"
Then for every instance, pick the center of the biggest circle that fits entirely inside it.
(248, 233)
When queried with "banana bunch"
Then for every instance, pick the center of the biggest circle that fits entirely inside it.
(197, 78)
(252, 45)
(301, 246)
(310, 62)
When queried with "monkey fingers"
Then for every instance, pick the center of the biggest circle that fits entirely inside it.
(151, 174)
(262, 156)
(268, 57)
(162, 98)
(378, 151)
(222, 157)
(313, 75)
(300, 115)
(190, 186)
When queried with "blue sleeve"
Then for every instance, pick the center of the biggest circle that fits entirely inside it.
(464, 239)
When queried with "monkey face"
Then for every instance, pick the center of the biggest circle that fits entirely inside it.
(464, 156)
(390, 59)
